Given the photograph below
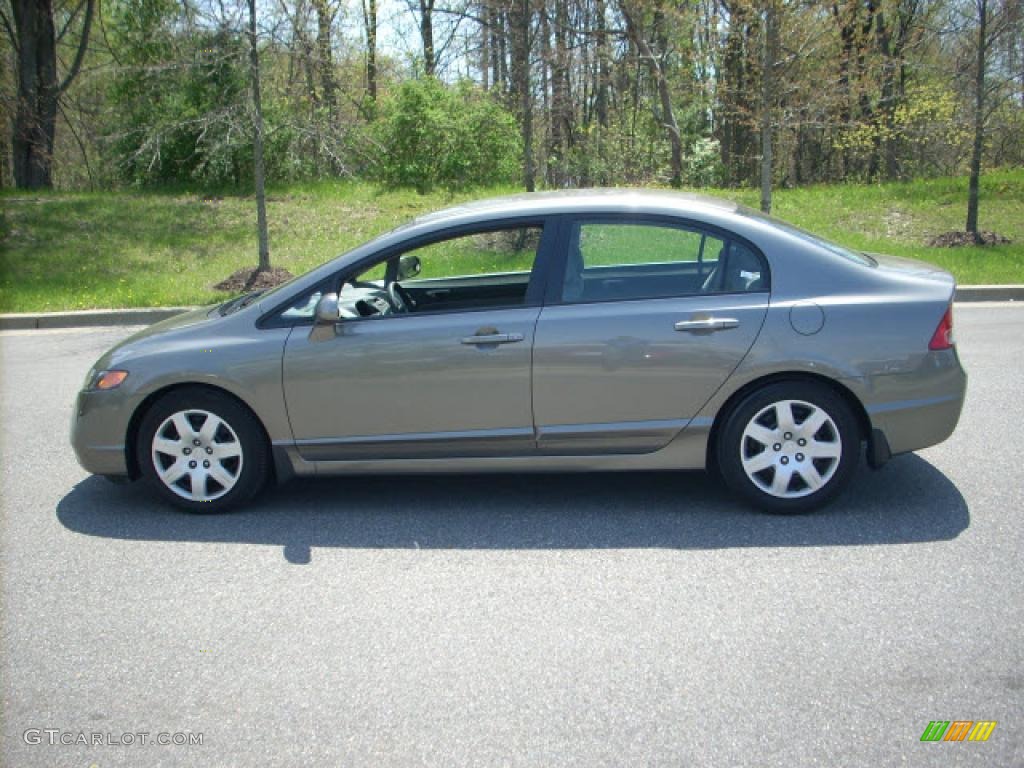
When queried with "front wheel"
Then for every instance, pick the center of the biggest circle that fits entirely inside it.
(202, 450)
(789, 447)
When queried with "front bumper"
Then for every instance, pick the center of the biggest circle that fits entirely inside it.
(98, 429)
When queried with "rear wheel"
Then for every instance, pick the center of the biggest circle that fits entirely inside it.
(789, 447)
(202, 450)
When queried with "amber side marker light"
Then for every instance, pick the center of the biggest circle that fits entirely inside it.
(110, 379)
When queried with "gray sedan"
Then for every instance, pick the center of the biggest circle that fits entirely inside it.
(590, 330)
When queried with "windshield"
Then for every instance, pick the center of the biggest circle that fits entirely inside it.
(803, 234)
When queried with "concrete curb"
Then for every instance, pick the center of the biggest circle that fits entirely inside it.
(989, 293)
(99, 317)
(88, 318)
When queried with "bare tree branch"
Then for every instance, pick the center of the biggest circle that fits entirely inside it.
(83, 44)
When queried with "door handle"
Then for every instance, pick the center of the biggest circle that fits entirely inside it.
(493, 338)
(707, 324)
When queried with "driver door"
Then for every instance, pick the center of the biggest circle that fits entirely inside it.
(449, 376)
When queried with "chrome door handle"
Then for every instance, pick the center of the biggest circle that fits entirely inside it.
(493, 338)
(707, 324)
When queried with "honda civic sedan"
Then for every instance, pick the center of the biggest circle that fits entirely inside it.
(574, 331)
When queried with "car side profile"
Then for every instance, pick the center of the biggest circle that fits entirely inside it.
(569, 331)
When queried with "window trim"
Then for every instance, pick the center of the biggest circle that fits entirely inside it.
(556, 270)
(539, 274)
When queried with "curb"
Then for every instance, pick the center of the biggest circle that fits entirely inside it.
(88, 318)
(99, 317)
(989, 293)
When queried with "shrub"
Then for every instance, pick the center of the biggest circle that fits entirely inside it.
(455, 137)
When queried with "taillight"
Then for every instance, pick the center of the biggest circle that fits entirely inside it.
(943, 336)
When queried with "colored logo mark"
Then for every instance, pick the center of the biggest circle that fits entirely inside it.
(959, 730)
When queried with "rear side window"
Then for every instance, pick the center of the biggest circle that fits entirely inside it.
(637, 260)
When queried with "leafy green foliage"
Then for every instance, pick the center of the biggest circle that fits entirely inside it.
(932, 135)
(452, 137)
(177, 114)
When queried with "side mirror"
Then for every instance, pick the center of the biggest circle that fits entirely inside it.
(327, 309)
(408, 266)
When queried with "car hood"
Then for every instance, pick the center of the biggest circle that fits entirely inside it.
(187, 321)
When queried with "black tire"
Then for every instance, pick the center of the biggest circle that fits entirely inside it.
(730, 443)
(253, 466)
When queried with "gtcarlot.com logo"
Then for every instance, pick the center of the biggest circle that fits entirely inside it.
(55, 736)
(958, 730)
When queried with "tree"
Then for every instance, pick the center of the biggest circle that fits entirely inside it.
(520, 23)
(329, 87)
(35, 39)
(656, 64)
(257, 145)
(736, 87)
(370, 23)
(979, 119)
(769, 65)
(427, 37)
(993, 85)
(893, 39)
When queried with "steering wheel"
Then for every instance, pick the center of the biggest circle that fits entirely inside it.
(400, 299)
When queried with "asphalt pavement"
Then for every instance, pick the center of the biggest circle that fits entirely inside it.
(587, 620)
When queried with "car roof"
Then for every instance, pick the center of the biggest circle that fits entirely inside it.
(601, 200)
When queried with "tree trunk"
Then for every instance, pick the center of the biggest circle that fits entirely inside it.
(257, 144)
(35, 115)
(370, 21)
(325, 59)
(979, 121)
(847, 33)
(770, 57)
(496, 32)
(519, 21)
(888, 99)
(561, 107)
(668, 115)
(427, 35)
(603, 66)
(485, 46)
(546, 87)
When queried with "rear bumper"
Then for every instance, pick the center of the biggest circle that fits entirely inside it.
(98, 431)
(919, 409)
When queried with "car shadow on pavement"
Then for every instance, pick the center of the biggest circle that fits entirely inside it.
(909, 501)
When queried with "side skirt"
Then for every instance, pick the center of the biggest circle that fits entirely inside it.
(686, 451)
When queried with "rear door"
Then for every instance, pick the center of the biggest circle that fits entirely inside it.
(648, 319)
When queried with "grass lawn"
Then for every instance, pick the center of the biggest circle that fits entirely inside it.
(131, 249)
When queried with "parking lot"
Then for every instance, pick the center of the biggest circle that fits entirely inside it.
(635, 619)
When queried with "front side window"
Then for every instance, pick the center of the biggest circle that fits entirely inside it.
(479, 270)
(634, 260)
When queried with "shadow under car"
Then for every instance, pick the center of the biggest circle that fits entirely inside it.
(910, 501)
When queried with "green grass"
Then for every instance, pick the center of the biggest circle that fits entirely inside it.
(898, 219)
(130, 249)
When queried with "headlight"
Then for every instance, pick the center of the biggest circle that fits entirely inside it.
(106, 379)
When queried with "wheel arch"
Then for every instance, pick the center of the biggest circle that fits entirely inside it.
(132, 432)
(856, 406)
